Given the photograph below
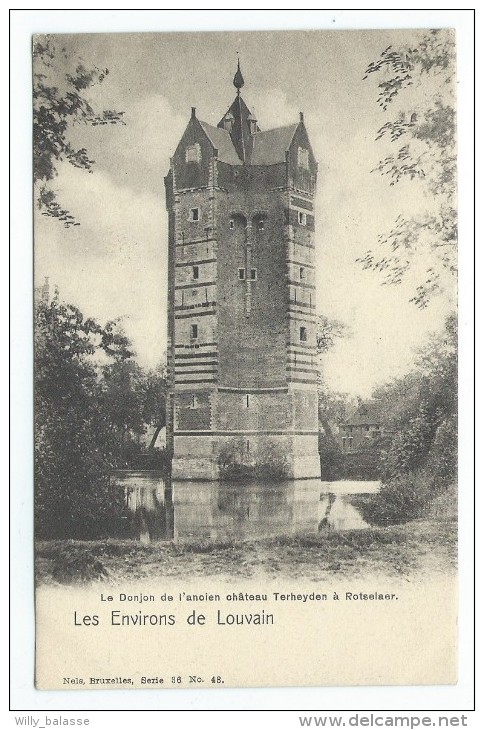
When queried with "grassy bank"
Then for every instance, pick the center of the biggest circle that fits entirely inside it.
(416, 548)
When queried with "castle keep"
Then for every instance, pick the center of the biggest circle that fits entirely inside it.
(242, 364)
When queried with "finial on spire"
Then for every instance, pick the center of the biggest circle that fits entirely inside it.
(238, 78)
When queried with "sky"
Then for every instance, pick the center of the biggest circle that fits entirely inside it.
(114, 264)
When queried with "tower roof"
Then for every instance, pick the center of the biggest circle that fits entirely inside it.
(240, 132)
(238, 78)
(221, 141)
(238, 139)
(270, 147)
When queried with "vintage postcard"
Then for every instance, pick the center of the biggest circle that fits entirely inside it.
(245, 359)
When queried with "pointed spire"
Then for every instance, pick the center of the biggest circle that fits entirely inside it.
(238, 78)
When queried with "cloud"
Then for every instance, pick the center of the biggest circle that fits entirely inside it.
(272, 108)
(114, 263)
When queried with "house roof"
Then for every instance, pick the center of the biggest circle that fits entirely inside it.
(221, 141)
(364, 415)
(270, 147)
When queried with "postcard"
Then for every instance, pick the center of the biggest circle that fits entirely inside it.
(245, 359)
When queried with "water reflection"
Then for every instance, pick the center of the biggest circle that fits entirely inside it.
(221, 511)
(228, 511)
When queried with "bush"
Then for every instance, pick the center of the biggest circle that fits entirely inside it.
(404, 498)
(78, 568)
(410, 494)
(236, 463)
(331, 457)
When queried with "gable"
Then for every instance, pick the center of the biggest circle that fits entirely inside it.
(192, 157)
(303, 167)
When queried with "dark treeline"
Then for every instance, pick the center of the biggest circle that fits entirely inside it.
(93, 404)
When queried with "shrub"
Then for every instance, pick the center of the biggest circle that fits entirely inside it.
(78, 568)
(331, 458)
(236, 463)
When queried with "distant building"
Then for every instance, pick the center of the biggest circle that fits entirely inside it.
(242, 360)
(361, 429)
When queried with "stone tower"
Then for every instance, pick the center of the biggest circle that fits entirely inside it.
(242, 364)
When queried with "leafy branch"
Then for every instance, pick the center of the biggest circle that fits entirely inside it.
(425, 151)
(55, 110)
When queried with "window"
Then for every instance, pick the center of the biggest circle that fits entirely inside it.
(247, 401)
(231, 224)
(260, 225)
(302, 272)
(193, 153)
(303, 158)
(193, 331)
(303, 334)
(193, 402)
(195, 272)
(194, 214)
(194, 292)
(301, 218)
(241, 274)
(253, 274)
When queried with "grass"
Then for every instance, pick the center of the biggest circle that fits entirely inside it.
(416, 548)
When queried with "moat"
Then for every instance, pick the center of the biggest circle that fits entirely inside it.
(196, 511)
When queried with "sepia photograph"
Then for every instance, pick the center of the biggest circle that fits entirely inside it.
(245, 387)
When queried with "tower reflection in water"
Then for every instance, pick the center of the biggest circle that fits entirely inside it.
(230, 511)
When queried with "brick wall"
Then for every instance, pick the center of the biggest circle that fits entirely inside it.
(193, 411)
(266, 411)
(251, 345)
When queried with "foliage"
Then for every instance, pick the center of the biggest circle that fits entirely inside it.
(331, 458)
(72, 568)
(236, 463)
(419, 453)
(60, 101)
(328, 331)
(421, 145)
(78, 420)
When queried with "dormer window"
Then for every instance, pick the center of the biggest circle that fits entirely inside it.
(252, 123)
(193, 153)
(303, 158)
(228, 122)
(194, 215)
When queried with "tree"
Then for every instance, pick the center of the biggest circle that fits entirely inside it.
(60, 101)
(154, 388)
(328, 331)
(417, 84)
(134, 398)
(331, 406)
(75, 444)
(419, 454)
